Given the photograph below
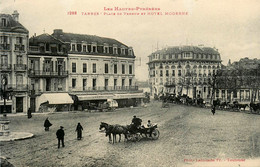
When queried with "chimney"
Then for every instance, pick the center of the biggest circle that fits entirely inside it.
(16, 16)
(57, 32)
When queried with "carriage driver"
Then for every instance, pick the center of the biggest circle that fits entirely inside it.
(136, 122)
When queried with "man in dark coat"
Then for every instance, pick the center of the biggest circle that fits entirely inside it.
(136, 122)
(79, 131)
(29, 113)
(60, 136)
(213, 110)
(47, 124)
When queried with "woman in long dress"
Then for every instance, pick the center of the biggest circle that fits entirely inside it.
(79, 131)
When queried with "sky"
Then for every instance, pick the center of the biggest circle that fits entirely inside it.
(232, 26)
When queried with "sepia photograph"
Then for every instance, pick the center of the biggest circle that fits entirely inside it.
(122, 83)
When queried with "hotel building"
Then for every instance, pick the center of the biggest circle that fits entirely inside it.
(183, 70)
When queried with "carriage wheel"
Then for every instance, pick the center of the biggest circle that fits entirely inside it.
(155, 134)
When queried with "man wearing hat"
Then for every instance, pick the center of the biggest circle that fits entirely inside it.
(60, 135)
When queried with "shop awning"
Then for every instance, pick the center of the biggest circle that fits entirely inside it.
(128, 96)
(94, 97)
(55, 98)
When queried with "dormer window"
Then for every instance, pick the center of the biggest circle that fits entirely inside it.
(47, 47)
(94, 48)
(84, 48)
(4, 23)
(115, 51)
(19, 40)
(130, 52)
(73, 47)
(123, 51)
(106, 49)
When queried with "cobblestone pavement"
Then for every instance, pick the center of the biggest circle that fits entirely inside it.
(189, 136)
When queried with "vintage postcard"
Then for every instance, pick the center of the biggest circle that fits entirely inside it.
(120, 83)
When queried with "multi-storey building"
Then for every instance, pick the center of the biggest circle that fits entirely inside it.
(48, 73)
(99, 69)
(239, 81)
(183, 70)
(13, 62)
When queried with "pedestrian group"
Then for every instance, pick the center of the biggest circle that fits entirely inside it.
(60, 132)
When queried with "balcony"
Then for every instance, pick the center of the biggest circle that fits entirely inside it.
(18, 47)
(17, 87)
(104, 89)
(5, 47)
(40, 73)
(5, 67)
(19, 67)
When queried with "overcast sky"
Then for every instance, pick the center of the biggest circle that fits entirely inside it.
(232, 26)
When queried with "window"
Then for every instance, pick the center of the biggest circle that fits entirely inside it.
(84, 84)
(19, 59)
(73, 83)
(161, 73)
(19, 40)
(173, 73)
(123, 69)
(84, 67)
(123, 82)
(84, 48)
(130, 82)
(115, 68)
(94, 83)
(167, 73)
(79, 47)
(179, 72)
(4, 22)
(73, 47)
(115, 51)
(115, 83)
(223, 94)
(130, 69)
(47, 47)
(204, 89)
(106, 84)
(247, 95)
(4, 60)
(217, 93)
(94, 68)
(106, 49)
(94, 49)
(106, 68)
(73, 67)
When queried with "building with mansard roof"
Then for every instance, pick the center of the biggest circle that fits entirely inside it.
(239, 81)
(99, 69)
(183, 70)
(13, 63)
(48, 73)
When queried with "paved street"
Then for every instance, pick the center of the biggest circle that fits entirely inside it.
(189, 136)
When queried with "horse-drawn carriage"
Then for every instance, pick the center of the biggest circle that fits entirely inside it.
(144, 132)
(130, 132)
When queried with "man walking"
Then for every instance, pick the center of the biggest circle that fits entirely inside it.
(213, 110)
(60, 135)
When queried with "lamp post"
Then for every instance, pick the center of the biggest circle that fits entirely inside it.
(4, 83)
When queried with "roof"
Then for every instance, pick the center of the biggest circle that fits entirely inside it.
(181, 49)
(44, 38)
(12, 25)
(68, 37)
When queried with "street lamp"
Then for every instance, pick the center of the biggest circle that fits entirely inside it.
(4, 83)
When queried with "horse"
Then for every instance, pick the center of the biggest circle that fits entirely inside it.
(108, 128)
(114, 129)
(242, 106)
(119, 129)
(254, 107)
